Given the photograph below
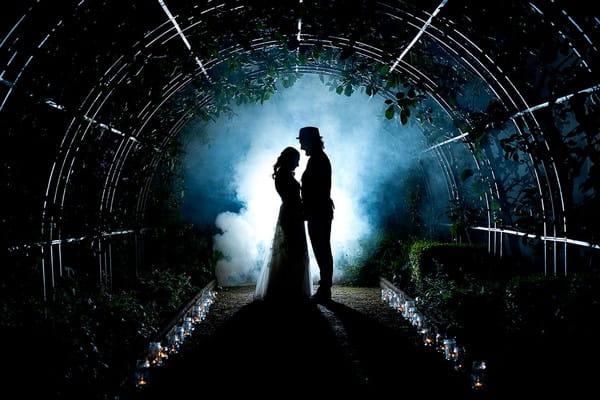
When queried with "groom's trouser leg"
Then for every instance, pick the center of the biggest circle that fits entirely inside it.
(320, 238)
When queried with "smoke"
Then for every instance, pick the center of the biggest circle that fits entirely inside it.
(228, 171)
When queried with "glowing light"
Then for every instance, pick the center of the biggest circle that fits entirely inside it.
(233, 162)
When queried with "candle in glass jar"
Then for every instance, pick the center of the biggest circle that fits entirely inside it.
(450, 349)
(478, 377)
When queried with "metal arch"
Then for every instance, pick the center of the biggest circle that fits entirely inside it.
(444, 165)
(145, 189)
(144, 193)
(545, 174)
(179, 124)
(77, 132)
(77, 129)
(260, 45)
(549, 174)
(368, 53)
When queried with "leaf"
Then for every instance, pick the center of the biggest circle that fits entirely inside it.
(293, 44)
(389, 113)
(466, 174)
(403, 117)
(392, 81)
(348, 91)
(339, 89)
(346, 53)
(279, 36)
(495, 205)
(463, 128)
(289, 81)
(388, 101)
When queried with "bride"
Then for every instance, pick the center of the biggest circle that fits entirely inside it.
(286, 273)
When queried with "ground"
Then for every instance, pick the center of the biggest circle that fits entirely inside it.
(356, 345)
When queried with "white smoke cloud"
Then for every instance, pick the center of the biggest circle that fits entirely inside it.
(229, 175)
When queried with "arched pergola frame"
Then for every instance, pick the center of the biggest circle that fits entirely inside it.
(106, 120)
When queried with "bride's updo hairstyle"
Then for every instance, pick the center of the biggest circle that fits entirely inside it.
(287, 161)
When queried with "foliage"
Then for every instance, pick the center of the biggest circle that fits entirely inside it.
(91, 335)
(183, 248)
(469, 308)
(386, 252)
(458, 287)
(454, 259)
(384, 255)
(166, 291)
(551, 305)
(18, 305)
(532, 301)
(355, 74)
(478, 299)
(462, 218)
(441, 299)
(582, 302)
(414, 200)
(87, 337)
(374, 79)
(483, 123)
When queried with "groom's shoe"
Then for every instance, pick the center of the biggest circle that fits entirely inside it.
(322, 296)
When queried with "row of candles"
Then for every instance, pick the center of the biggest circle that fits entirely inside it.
(158, 351)
(431, 338)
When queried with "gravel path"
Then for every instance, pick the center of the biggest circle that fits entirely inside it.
(356, 345)
(366, 300)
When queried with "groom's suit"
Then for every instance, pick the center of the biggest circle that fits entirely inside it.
(318, 209)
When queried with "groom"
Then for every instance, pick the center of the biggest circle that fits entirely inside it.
(318, 206)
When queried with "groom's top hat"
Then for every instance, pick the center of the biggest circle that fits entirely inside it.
(309, 132)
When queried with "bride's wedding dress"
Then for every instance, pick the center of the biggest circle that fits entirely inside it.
(285, 273)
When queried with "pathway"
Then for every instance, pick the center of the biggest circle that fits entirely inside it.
(357, 345)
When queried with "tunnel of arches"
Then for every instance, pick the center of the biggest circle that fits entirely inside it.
(99, 98)
(95, 95)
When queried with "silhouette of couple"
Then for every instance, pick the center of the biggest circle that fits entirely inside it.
(286, 274)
